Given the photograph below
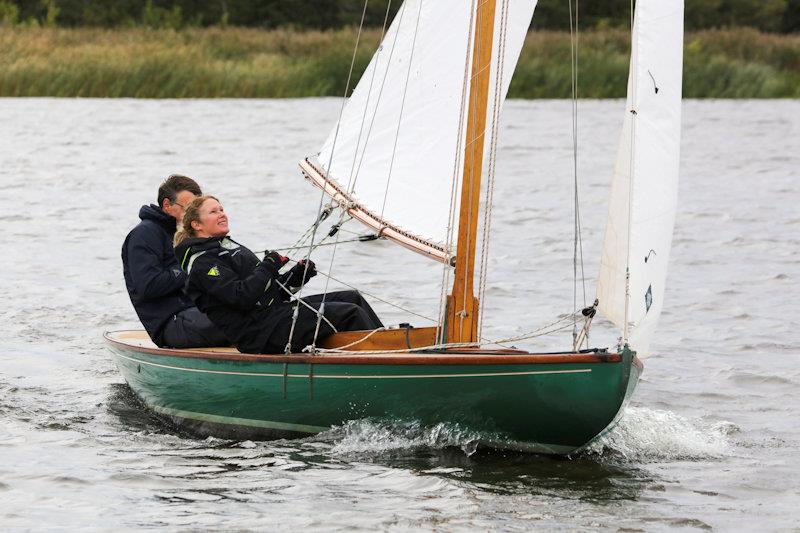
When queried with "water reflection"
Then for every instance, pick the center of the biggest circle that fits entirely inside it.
(503, 472)
(128, 413)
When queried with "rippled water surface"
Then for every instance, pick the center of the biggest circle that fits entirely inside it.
(711, 439)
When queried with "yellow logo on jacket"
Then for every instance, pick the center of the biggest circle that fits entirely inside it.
(213, 271)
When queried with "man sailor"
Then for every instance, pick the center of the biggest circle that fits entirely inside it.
(153, 277)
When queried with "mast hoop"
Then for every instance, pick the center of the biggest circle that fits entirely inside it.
(381, 226)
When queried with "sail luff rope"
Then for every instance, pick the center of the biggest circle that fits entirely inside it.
(625, 329)
(489, 202)
(296, 310)
(457, 166)
(402, 108)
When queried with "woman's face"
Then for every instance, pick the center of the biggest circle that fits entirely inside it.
(213, 220)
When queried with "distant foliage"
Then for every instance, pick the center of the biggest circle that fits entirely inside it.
(766, 15)
(252, 63)
(9, 13)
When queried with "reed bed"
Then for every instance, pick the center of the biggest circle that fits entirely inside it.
(251, 63)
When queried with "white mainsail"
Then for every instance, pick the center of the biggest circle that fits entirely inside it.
(644, 190)
(397, 150)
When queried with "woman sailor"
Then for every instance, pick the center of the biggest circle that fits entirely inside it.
(249, 299)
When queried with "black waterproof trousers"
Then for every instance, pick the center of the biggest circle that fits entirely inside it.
(191, 329)
(344, 310)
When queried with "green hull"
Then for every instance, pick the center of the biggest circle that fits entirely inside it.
(545, 407)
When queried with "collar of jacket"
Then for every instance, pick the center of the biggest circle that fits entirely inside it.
(193, 245)
(159, 216)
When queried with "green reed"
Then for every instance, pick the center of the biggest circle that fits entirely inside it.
(250, 63)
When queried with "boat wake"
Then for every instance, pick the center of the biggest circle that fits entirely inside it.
(642, 435)
(385, 436)
(645, 435)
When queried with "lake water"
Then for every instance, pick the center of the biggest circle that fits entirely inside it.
(711, 440)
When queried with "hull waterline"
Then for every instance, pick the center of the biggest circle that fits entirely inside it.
(543, 403)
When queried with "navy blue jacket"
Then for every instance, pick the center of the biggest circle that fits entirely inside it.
(152, 275)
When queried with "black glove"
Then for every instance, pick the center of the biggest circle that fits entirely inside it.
(276, 259)
(301, 266)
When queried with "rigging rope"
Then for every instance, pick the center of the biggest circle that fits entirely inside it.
(489, 204)
(295, 314)
(299, 243)
(577, 247)
(351, 188)
(373, 296)
(399, 19)
(361, 238)
(561, 324)
(466, 253)
(457, 167)
(490, 186)
(351, 180)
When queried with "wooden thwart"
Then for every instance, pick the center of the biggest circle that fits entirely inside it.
(392, 339)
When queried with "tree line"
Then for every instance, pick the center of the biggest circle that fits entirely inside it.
(767, 15)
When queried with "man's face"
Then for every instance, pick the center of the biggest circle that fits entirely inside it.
(176, 209)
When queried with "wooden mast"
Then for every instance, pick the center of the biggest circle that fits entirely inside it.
(462, 305)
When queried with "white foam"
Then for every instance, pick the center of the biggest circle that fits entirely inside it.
(641, 435)
(379, 436)
(644, 434)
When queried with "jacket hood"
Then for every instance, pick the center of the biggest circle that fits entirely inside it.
(157, 215)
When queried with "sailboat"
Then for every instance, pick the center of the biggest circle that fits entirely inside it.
(412, 157)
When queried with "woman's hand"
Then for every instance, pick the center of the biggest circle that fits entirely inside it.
(310, 273)
(276, 259)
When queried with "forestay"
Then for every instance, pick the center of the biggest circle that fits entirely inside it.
(645, 185)
(397, 151)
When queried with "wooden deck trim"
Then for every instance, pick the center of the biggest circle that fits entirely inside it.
(461, 357)
(390, 339)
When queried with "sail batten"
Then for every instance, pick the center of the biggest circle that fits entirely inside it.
(638, 237)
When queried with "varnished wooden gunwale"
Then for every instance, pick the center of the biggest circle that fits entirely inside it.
(461, 357)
